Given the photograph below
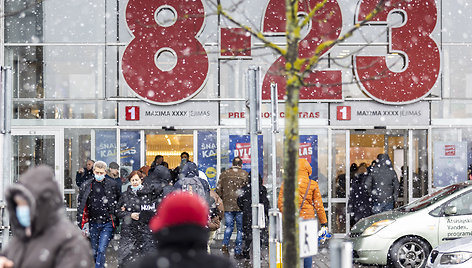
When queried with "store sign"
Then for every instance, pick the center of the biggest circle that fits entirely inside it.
(363, 113)
(308, 149)
(240, 146)
(185, 114)
(412, 39)
(449, 162)
(207, 152)
(308, 114)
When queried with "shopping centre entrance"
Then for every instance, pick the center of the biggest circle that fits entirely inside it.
(407, 149)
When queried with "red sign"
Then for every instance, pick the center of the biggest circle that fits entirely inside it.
(132, 113)
(449, 150)
(139, 67)
(411, 41)
(343, 113)
(305, 151)
(243, 150)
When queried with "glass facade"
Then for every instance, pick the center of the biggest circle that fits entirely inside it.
(66, 59)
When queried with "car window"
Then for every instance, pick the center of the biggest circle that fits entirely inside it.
(433, 197)
(463, 204)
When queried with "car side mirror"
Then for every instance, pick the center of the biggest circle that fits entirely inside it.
(450, 210)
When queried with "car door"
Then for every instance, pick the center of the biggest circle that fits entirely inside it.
(456, 218)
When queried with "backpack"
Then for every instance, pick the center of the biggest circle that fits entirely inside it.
(195, 186)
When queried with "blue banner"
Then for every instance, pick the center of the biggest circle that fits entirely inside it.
(207, 151)
(309, 149)
(240, 146)
(105, 146)
(130, 151)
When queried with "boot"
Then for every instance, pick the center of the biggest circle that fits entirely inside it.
(225, 251)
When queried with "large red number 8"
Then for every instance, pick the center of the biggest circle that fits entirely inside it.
(325, 25)
(412, 40)
(140, 70)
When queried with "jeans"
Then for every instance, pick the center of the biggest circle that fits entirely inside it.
(381, 207)
(230, 216)
(100, 236)
(307, 262)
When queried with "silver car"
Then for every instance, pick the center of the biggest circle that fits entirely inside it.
(405, 236)
(454, 254)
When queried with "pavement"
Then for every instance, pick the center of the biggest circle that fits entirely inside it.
(321, 260)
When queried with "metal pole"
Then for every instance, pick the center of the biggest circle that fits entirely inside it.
(254, 97)
(340, 253)
(6, 133)
(274, 130)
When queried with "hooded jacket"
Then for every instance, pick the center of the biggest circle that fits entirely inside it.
(382, 182)
(313, 196)
(54, 240)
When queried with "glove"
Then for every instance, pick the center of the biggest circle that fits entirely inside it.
(323, 234)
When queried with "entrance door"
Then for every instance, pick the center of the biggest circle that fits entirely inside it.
(407, 150)
(37, 147)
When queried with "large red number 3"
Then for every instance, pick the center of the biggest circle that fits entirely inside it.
(177, 37)
(325, 25)
(412, 40)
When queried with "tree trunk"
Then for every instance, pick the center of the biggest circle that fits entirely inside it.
(290, 246)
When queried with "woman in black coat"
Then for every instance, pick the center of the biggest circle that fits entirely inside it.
(359, 204)
(136, 209)
(244, 203)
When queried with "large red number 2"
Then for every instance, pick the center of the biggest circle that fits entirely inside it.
(177, 37)
(325, 25)
(411, 40)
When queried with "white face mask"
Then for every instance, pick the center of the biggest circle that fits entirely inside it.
(23, 215)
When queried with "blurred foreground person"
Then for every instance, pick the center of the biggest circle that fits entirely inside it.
(42, 235)
(181, 233)
(309, 200)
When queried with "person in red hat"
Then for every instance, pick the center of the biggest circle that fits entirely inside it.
(180, 228)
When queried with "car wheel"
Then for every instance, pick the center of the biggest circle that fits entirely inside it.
(409, 252)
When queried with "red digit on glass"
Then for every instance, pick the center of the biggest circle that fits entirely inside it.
(325, 25)
(411, 40)
(175, 36)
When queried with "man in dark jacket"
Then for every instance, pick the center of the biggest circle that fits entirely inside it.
(180, 230)
(245, 204)
(98, 204)
(84, 174)
(359, 204)
(43, 237)
(383, 185)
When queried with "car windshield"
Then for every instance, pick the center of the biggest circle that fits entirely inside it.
(433, 197)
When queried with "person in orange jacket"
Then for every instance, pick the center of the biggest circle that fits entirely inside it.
(311, 198)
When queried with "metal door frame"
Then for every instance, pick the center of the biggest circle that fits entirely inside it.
(58, 149)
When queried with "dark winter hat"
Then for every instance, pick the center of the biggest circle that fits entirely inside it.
(113, 165)
(180, 208)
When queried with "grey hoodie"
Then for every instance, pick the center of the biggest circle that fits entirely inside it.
(54, 240)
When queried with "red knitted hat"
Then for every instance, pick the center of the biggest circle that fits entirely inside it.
(180, 208)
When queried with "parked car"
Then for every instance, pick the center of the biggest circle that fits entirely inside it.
(405, 236)
(456, 253)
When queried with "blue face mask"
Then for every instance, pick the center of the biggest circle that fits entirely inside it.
(99, 177)
(23, 215)
(136, 188)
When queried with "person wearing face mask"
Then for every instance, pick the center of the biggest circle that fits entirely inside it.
(135, 233)
(97, 205)
(184, 158)
(43, 237)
